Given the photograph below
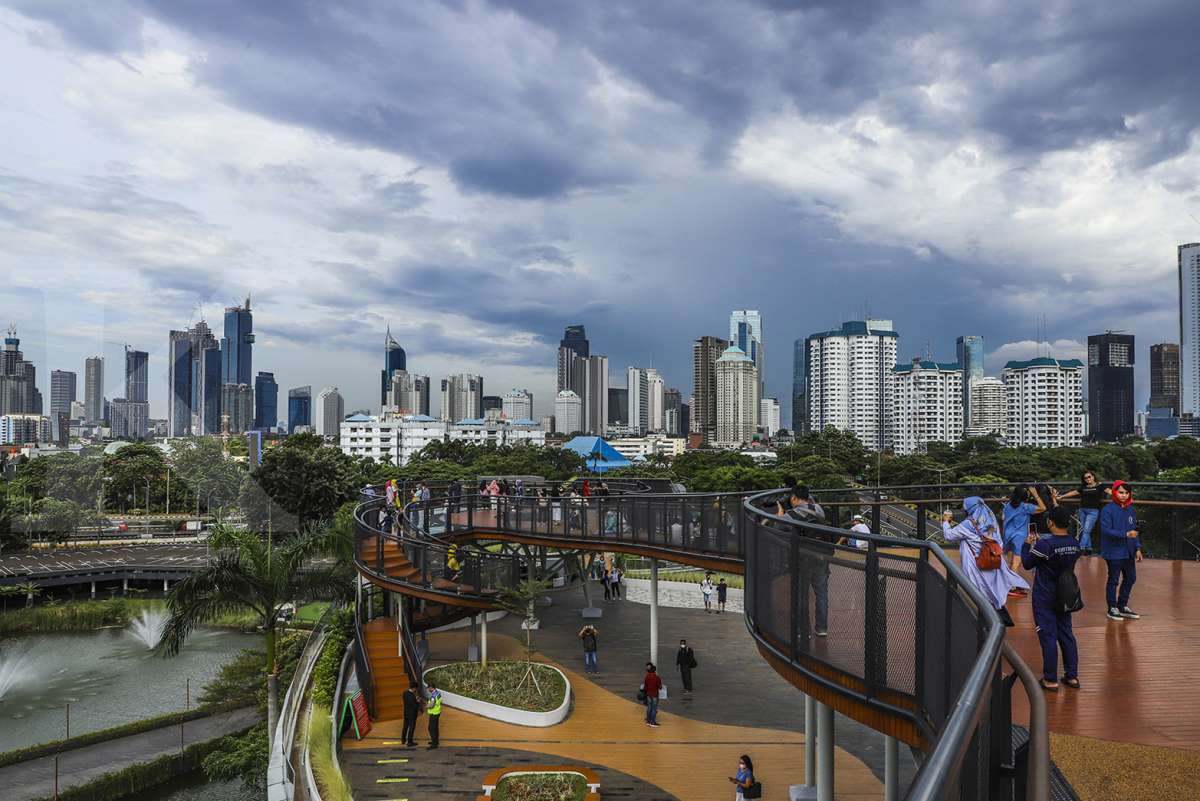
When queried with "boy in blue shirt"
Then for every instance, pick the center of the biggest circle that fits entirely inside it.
(1051, 558)
(1121, 549)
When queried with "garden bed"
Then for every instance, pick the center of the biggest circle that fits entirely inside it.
(498, 691)
(541, 787)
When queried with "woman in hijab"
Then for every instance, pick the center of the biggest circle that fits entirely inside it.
(969, 534)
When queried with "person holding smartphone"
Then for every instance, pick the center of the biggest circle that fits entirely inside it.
(1052, 559)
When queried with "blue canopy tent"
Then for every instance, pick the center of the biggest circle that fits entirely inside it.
(601, 457)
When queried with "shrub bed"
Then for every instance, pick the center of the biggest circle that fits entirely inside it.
(501, 683)
(541, 787)
(325, 672)
(334, 786)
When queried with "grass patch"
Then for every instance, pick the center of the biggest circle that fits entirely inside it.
(689, 577)
(73, 616)
(311, 613)
(334, 786)
(499, 684)
(541, 787)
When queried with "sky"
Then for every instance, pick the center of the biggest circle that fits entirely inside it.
(478, 175)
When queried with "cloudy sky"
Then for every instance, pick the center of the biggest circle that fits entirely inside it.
(480, 174)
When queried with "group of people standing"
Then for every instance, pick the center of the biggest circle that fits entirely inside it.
(1036, 535)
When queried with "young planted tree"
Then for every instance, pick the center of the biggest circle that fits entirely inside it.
(522, 600)
(248, 573)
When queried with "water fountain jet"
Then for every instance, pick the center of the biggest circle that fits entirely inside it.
(148, 628)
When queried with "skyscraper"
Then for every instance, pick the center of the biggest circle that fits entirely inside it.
(206, 411)
(672, 412)
(394, 359)
(1110, 385)
(185, 369)
(137, 375)
(129, 419)
(1164, 377)
(705, 352)
(618, 406)
(568, 412)
(18, 379)
(237, 408)
(745, 331)
(62, 392)
(595, 395)
(848, 380)
(572, 347)
(989, 408)
(1045, 403)
(331, 409)
(1189, 329)
(299, 408)
(517, 404)
(462, 397)
(738, 405)
(266, 401)
(236, 362)
(926, 405)
(769, 416)
(93, 388)
(969, 352)
(646, 406)
(799, 404)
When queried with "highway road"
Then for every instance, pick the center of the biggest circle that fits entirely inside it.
(72, 565)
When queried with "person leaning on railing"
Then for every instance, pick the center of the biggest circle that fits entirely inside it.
(803, 509)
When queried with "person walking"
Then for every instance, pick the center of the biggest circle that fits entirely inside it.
(455, 492)
(606, 580)
(412, 708)
(1017, 514)
(979, 527)
(722, 595)
(1092, 497)
(434, 710)
(706, 590)
(651, 685)
(685, 661)
(614, 578)
(1055, 596)
(588, 635)
(815, 564)
(1121, 549)
(744, 777)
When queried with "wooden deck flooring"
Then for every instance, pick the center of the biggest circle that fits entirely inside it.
(1139, 677)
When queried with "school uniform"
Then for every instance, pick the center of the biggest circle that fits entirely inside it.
(1051, 558)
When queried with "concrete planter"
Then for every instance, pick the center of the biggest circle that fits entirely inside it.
(507, 714)
(590, 776)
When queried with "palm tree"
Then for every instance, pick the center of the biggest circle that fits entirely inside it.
(248, 574)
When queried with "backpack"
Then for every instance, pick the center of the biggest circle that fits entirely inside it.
(1067, 597)
(990, 555)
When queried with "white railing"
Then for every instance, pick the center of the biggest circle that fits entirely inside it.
(281, 783)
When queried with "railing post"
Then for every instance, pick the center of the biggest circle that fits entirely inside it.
(876, 512)
(871, 624)
(891, 769)
(1176, 546)
(922, 521)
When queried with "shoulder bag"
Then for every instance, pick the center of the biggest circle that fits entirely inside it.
(753, 791)
(990, 555)
(1067, 597)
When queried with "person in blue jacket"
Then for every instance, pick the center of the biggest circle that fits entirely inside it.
(1017, 514)
(1051, 558)
(1121, 549)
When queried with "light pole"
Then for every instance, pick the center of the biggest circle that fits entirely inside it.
(147, 497)
(168, 492)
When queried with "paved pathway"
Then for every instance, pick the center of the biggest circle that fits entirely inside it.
(677, 594)
(35, 777)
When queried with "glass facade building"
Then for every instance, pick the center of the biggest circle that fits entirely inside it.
(969, 352)
(266, 401)
(236, 361)
(299, 408)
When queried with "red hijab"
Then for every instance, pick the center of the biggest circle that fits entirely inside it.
(1117, 485)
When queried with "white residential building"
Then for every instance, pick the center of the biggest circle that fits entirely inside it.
(1045, 403)
(1189, 329)
(392, 439)
(568, 412)
(495, 431)
(327, 417)
(848, 380)
(926, 405)
(20, 429)
(647, 405)
(517, 404)
(989, 407)
(649, 445)
(769, 415)
(462, 397)
(737, 399)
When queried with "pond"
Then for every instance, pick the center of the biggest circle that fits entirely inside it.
(108, 677)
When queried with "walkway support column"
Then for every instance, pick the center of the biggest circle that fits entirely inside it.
(891, 769)
(483, 641)
(808, 790)
(472, 643)
(654, 611)
(825, 744)
(94, 590)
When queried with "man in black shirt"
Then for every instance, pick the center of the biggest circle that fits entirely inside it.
(412, 708)
(685, 660)
(817, 548)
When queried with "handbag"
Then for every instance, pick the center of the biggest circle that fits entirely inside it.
(641, 696)
(753, 791)
(1067, 597)
(990, 555)
(662, 693)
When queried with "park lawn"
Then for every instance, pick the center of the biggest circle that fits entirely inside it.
(311, 613)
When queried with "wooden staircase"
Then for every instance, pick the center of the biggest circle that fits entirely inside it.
(387, 668)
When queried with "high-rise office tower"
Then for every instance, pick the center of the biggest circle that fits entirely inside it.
(738, 404)
(331, 409)
(394, 359)
(1110, 385)
(266, 401)
(927, 405)
(672, 415)
(745, 331)
(410, 393)
(969, 351)
(206, 411)
(568, 412)
(595, 395)
(137, 375)
(705, 352)
(849, 378)
(799, 403)
(989, 408)
(186, 369)
(1189, 329)
(93, 388)
(646, 406)
(236, 345)
(1164, 377)
(618, 406)
(462, 397)
(299, 408)
(129, 419)
(517, 404)
(1045, 403)
(18, 379)
(237, 408)
(769, 415)
(573, 346)
(62, 392)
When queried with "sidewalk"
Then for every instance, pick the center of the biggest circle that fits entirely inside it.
(678, 595)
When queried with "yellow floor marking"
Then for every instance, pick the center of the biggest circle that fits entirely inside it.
(392, 742)
(390, 781)
(390, 761)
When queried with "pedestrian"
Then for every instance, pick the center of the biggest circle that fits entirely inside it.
(606, 580)
(1092, 497)
(976, 536)
(588, 635)
(614, 578)
(819, 549)
(685, 661)
(1055, 596)
(412, 708)
(1017, 514)
(389, 492)
(706, 590)
(651, 686)
(434, 710)
(722, 595)
(859, 527)
(455, 492)
(1121, 549)
(586, 489)
(744, 780)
